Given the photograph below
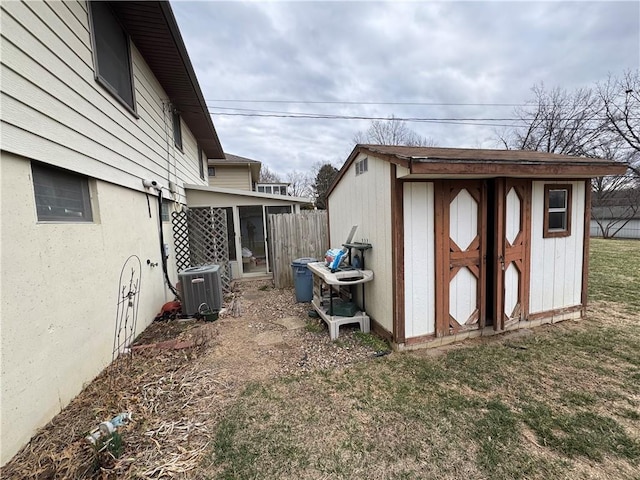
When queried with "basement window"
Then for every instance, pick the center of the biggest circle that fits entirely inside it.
(362, 166)
(112, 54)
(557, 211)
(61, 195)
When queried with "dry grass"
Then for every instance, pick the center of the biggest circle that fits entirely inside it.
(256, 400)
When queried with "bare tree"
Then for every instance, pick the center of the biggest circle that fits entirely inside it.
(620, 99)
(557, 121)
(268, 176)
(299, 183)
(582, 123)
(392, 132)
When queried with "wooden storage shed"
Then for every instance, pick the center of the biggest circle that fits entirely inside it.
(467, 242)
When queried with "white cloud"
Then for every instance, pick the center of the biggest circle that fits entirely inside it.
(444, 52)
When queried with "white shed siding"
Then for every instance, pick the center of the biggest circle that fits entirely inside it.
(419, 259)
(556, 263)
(54, 111)
(365, 200)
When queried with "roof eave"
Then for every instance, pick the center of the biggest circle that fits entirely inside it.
(520, 168)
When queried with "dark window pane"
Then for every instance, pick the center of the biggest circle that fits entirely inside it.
(177, 130)
(200, 162)
(211, 171)
(61, 195)
(557, 220)
(231, 234)
(112, 51)
(557, 198)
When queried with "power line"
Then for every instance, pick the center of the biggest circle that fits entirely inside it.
(349, 102)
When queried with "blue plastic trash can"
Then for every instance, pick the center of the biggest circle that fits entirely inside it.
(303, 279)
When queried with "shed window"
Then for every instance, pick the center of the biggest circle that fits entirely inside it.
(112, 54)
(362, 166)
(61, 196)
(177, 130)
(557, 210)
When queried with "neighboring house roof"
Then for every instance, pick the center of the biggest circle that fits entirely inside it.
(433, 161)
(230, 159)
(154, 31)
(248, 193)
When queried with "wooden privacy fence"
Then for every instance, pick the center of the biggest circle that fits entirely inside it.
(295, 235)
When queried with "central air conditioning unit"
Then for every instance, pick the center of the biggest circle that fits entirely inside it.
(201, 285)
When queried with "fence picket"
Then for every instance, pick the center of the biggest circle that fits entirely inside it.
(296, 235)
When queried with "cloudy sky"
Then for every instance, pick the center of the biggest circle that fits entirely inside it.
(429, 60)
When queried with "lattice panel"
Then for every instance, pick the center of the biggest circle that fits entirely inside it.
(200, 237)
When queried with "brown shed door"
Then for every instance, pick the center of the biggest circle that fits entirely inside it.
(482, 245)
(513, 247)
(460, 251)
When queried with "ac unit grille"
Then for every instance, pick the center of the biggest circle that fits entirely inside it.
(201, 285)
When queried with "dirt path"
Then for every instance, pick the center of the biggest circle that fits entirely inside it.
(177, 397)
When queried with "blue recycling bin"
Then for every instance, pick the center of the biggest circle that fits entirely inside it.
(303, 279)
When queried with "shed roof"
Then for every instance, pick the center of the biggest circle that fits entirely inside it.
(155, 33)
(425, 162)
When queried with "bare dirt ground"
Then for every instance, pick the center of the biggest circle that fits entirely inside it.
(177, 396)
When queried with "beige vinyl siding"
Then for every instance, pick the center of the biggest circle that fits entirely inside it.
(232, 176)
(54, 111)
(556, 263)
(365, 200)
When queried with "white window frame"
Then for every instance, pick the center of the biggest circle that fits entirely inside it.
(565, 231)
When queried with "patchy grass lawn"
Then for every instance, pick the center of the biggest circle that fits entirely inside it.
(562, 403)
(614, 271)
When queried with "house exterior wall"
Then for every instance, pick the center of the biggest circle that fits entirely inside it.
(237, 177)
(365, 200)
(556, 263)
(59, 295)
(59, 280)
(55, 112)
(419, 259)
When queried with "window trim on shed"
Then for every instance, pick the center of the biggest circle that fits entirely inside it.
(549, 232)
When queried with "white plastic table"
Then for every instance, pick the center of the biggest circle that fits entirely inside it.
(322, 276)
